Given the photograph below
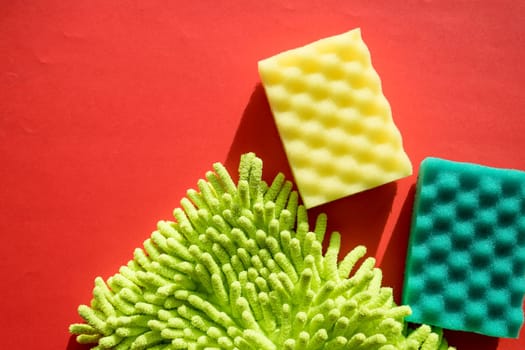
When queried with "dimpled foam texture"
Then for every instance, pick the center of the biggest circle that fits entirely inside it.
(334, 121)
(466, 257)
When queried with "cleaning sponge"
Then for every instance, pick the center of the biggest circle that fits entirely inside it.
(241, 269)
(466, 258)
(334, 121)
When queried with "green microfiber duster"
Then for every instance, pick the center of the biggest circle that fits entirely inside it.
(241, 269)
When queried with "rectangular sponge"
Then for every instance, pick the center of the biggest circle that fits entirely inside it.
(465, 266)
(334, 121)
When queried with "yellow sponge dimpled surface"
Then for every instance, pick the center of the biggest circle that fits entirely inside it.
(334, 121)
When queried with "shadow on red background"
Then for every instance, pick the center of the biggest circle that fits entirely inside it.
(359, 218)
(258, 133)
(467, 340)
(73, 345)
(393, 261)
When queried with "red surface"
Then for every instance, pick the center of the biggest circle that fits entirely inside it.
(109, 112)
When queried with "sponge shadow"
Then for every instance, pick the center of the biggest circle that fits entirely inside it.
(359, 218)
(258, 133)
(468, 340)
(393, 260)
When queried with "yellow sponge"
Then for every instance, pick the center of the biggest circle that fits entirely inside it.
(335, 123)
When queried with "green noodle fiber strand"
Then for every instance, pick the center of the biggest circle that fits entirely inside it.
(240, 268)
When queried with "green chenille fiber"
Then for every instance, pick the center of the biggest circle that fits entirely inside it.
(239, 268)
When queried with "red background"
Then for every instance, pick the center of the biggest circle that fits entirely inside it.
(110, 110)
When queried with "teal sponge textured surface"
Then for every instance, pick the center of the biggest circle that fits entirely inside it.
(465, 265)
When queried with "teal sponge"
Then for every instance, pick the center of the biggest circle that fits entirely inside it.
(466, 257)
